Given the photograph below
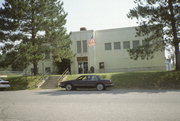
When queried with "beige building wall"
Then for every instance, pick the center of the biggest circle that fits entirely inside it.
(80, 36)
(44, 67)
(114, 60)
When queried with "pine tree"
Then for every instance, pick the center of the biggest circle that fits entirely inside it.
(159, 21)
(32, 28)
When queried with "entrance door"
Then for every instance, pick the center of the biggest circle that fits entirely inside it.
(82, 67)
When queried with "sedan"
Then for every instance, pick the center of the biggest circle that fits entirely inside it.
(4, 84)
(87, 81)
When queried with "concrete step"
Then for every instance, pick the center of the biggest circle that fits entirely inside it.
(50, 83)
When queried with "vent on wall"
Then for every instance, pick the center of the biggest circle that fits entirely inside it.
(83, 29)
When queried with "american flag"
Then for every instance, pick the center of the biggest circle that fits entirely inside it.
(92, 42)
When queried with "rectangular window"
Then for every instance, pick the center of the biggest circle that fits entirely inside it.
(78, 46)
(84, 46)
(108, 46)
(48, 69)
(135, 43)
(117, 45)
(126, 44)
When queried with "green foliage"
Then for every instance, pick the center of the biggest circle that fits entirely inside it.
(159, 23)
(37, 27)
(22, 82)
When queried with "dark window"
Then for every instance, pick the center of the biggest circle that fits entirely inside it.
(93, 78)
(101, 65)
(117, 45)
(84, 46)
(78, 46)
(48, 69)
(108, 46)
(126, 44)
(135, 43)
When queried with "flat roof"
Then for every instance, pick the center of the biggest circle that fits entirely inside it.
(111, 29)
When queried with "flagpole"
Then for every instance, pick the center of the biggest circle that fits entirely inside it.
(91, 43)
(94, 49)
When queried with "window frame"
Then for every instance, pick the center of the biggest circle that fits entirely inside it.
(133, 44)
(124, 45)
(119, 46)
(84, 43)
(105, 45)
(78, 45)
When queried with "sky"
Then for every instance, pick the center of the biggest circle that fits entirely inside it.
(97, 14)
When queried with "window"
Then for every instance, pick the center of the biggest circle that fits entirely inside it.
(48, 69)
(108, 46)
(78, 46)
(126, 44)
(135, 43)
(101, 65)
(93, 78)
(117, 45)
(84, 46)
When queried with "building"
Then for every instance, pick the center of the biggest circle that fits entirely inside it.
(103, 51)
(109, 54)
(45, 66)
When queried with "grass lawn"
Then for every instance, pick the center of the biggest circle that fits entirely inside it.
(22, 82)
(121, 80)
(142, 80)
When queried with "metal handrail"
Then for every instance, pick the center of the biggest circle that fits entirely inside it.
(44, 76)
(63, 75)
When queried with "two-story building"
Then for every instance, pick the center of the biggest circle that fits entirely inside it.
(103, 51)
(106, 51)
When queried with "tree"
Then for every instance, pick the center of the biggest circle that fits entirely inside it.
(32, 28)
(159, 22)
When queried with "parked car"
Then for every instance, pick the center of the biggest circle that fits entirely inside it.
(87, 81)
(4, 84)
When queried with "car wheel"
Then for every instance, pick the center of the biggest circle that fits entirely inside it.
(69, 87)
(100, 87)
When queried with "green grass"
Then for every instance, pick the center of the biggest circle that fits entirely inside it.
(142, 80)
(121, 80)
(22, 82)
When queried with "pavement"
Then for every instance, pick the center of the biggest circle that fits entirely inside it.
(112, 105)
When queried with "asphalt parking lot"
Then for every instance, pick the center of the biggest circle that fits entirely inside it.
(114, 105)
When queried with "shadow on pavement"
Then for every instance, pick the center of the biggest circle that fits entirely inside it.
(89, 92)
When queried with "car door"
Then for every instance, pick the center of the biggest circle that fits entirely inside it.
(91, 81)
(84, 81)
(80, 82)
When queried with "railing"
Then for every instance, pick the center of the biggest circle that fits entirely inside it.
(44, 76)
(63, 75)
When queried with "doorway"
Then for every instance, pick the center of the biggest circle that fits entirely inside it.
(82, 67)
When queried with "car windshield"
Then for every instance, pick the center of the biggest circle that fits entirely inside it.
(81, 78)
(90, 77)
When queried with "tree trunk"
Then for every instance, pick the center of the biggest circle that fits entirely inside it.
(174, 33)
(35, 68)
(35, 63)
(177, 54)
